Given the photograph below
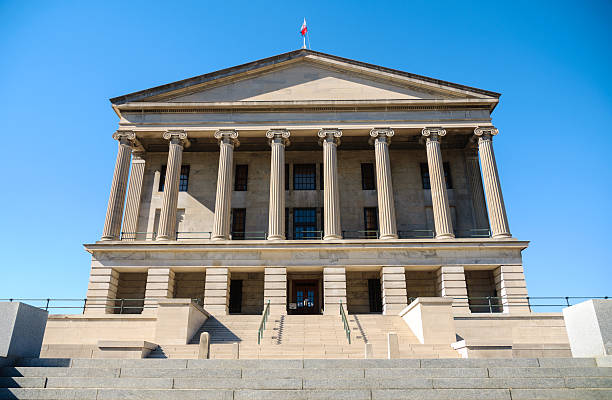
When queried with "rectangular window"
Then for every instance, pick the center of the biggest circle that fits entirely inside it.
(183, 180)
(368, 180)
(241, 178)
(370, 222)
(305, 223)
(304, 177)
(238, 223)
(425, 176)
(286, 176)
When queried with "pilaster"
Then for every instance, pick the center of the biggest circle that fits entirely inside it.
(216, 291)
(511, 287)
(451, 283)
(394, 296)
(101, 291)
(160, 285)
(334, 289)
(275, 289)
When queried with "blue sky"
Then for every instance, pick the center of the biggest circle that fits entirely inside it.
(62, 61)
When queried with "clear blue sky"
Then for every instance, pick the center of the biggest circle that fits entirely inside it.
(61, 61)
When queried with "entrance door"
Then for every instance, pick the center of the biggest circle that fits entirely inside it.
(306, 297)
(235, 300)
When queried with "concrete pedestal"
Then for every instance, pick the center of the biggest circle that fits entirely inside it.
(22, 328)
(589, 328)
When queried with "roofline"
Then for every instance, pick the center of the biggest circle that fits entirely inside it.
(135, 96)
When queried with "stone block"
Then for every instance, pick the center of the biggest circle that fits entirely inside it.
(20, 381)
(124, 349)
(441, 394)
(403, 373)
(246, 394)
(259, 383)
(561, 394)
(393, 350)
(247, 364)
(153, 394)
(79, 382)
(201, 373)
(589, 328)
(22, 328)
(431, 320)
(55, 394)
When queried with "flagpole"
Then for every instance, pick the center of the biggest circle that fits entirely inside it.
(304, 45)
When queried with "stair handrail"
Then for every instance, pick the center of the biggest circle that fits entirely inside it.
(262, 324)
(347, 328)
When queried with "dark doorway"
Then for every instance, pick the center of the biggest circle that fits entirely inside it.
(305, 297)
(235, 300)
(375, 295)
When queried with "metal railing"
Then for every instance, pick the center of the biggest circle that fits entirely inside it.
(496, 304)
(138, 236)
(473, 233)
(254, 235)
(307, 235)
(123, 305)
(368, 234)
(262, 324)
(193, 235)
(416, 234)
(347, 328)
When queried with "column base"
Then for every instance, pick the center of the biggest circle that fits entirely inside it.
(162, 238)
(388, 236)
(445, 236)
(217, 238)
(276, 237)
(331, 237)
(501, 236)
(105, 238)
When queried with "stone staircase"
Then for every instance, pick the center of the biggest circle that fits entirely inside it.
(305, 336)
(474, 379)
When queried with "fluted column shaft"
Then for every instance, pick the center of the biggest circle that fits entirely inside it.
(223, 201)
(167, 217)
(132, 206)
(116, 199)
(439, 196)
(384, 186)
(276, 217)
(331, 192)
(481, 219)
(495, 201)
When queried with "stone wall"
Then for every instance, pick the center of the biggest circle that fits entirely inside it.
(413, 203)
(357, 292)
(420, 284)
(252, 291)
(189, 285)
(131, 285)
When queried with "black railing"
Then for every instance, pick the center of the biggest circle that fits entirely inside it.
(138, 236)
(369, 234)
(416, 234)
(262, 324)
(473, 233)
(123, 305)
(254, 235)
(496, 304)
(345, 323)
(307, 235)
(193, 235)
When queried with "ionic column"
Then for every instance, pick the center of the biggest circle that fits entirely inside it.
(116, 200)
(495, 201)
(481, 219)
(132, 207)
(278, 139)
(167, 217)
(384, 185)
(439, 196)
(330, 139)
(223, 201)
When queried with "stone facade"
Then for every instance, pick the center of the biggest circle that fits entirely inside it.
(382, 174)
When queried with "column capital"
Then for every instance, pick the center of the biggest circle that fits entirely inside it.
(227, 136)
(381, 134)
(177, 137)
(433, 133)
(329, 135)
(486, 132)
(125, 137)
(282, 135)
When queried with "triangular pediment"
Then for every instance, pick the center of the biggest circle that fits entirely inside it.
(305, 75)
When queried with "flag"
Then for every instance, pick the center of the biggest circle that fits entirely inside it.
(304, 29)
